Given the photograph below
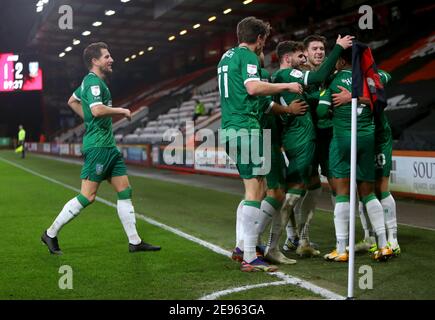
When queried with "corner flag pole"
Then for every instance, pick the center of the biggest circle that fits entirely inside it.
(356, 88)
(351, 272)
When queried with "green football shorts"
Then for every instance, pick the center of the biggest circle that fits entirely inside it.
(276, 177)
(102, 163)
(339, 157)
(300, 167)
(247, 153)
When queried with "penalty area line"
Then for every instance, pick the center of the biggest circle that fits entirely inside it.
(286, 279)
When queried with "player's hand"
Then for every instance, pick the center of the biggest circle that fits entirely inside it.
(345, 42)
(127, 114)
(341, 98)
(297, 107)
(295, 88)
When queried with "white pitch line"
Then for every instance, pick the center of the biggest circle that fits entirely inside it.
(287, 278)
(222, 293)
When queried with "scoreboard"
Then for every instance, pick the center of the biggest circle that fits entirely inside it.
(18, 73)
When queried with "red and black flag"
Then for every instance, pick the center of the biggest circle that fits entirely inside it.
(366, 81)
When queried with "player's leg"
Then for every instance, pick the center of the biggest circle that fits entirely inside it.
(308, 204)
(251, 218)
(292, 240)
(383, 168)
(369, 235)
(369, 240)
(389, 205)
(341, 221)
(376, 216)
(119, 180)
(90, 183)
(339, 160)
(237, 253)
(275, 198)
(70, 210)
(251, 215)
(366, 178)
(296, 177)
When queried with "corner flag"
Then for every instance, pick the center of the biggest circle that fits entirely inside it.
(366, 81)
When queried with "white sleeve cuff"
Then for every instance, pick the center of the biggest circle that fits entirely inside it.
(75, 97)
(325, 102)
(251, 79)
(94, 104)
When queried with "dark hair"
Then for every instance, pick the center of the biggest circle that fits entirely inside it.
(346, 55)
(93, 51)
(285, 47)
(312, 38)
(250, 28)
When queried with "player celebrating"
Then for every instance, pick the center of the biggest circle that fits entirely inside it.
(339, 160)
(102, 160)
(239, 87)
(275, 194)
(315, 53)
(383, 163)
(299, 134)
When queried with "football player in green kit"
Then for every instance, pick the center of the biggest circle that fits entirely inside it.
(339, 161)
(102, 160)
(298, 136)
(383, 163)
(275, 179)
(240, 87)
(314, 46)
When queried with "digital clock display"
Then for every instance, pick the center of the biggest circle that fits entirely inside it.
(17, 74)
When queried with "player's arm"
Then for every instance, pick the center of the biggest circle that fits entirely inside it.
(328, 66)
(250, 72)
(76, 106)
(297, 108)
(100, 110)
(345, 97)
(260, 88)
(93, 93)
(325, 103)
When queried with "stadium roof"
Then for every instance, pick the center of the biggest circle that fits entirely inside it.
(137, 25)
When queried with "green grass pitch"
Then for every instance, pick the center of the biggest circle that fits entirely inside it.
(95, 246)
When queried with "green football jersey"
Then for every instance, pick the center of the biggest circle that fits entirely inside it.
(299, 128)
(240, 110)
(98, 131)
(341, 116)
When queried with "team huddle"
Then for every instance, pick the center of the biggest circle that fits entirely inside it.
(306, 105)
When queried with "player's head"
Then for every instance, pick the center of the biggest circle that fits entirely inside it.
(290, 54)
(315, 49)
(253, 31)
(20, 126)
(345, 60)
(97, 55)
